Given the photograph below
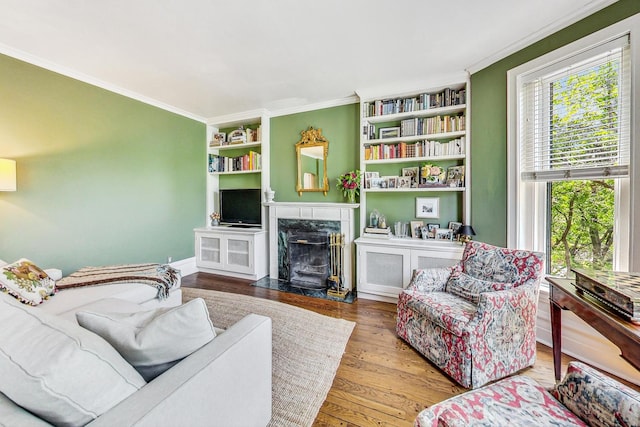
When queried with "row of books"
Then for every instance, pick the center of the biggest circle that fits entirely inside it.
(403, 150)
(379, 233)
(250, 161)
(424, 101)
(430, 125)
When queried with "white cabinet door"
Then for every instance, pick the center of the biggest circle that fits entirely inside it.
(238, 254)
(433, 259)
(383, 270)
(209, 250)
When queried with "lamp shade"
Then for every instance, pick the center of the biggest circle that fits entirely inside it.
(7, 175)
(466, 230)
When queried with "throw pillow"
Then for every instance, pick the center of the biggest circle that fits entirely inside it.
(57, 370)
(27, 282)
(470, 288)
(153, 341)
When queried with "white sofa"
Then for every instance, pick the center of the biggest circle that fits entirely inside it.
(227, 382)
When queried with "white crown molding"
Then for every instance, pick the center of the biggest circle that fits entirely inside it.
(400, 89)
(353, 99)
(234, 119)
(558, 25)
(68, 72)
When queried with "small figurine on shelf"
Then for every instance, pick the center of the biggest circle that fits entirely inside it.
(215, 219)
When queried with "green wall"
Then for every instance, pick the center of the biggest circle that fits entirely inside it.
(339, 126)
(489, 121)
(102, 178)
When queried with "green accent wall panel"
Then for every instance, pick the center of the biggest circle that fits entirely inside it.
(102, 178)
(489, 121)
(339, 126)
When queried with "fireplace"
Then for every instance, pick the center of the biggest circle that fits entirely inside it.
(303, 251)
(286, 219)
(308, 253)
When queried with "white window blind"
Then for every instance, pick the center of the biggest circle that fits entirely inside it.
(575, 116)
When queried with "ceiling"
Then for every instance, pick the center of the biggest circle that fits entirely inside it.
(207, 58)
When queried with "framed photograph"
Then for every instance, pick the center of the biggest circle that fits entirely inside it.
(413, 174)
(376, 183)
(427, 207)
(368, 176)
(404, 182)
(444, 234)
(416, 227)
(393, 132)
(392, 181)
(431, 230)
(455, 176)
(455, 226)
(218, 138)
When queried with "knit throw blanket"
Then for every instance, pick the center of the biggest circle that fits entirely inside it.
(161, 276)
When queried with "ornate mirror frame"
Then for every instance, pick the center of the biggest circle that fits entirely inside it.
(315, 146)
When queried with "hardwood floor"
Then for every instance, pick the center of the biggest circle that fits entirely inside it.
(381, 380)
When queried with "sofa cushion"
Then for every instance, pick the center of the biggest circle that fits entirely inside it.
(26, 281)
(514, 401)
(597, 399)
(447, 310)
(14, 415)
(57, 370)
(153, 340)
(470, 288)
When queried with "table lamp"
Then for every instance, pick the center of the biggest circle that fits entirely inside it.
(465, 232)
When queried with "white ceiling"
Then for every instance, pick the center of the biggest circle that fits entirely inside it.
(206, 58)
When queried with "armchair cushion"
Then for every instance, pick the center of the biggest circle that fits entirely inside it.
(430, 280)
(444, 309)
(597, 399)
(470, 288)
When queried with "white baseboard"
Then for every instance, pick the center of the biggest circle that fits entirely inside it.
(186, 266)
(581, 341)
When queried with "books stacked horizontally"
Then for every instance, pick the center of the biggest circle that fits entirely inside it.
(378, 233)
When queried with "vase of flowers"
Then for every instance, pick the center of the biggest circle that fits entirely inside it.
(215, 219)
(349, 184)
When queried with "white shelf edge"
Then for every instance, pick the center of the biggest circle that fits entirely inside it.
(415, 138)
(235, 172)
(430, 112)
(408, 190)
(413, 159)
(236, 146)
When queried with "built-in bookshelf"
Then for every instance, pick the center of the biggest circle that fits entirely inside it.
(237, 155)
(413, 143)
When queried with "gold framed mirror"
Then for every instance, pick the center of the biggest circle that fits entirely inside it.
(312, 151)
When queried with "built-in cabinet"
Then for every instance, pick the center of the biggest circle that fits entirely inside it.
(385, 266)
(231, 251)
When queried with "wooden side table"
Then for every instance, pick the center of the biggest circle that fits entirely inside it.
(563, 295)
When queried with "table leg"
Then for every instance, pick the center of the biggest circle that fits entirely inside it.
(556, 339)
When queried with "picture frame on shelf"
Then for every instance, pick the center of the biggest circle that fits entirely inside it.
(416, 227)
(455, 226)
(392, 182)
(431, 229)
(392, 132)
(218, 138)
(368, 176)
(375, 183)
(427, 207)
(455, 176)
(444, 234)
(404, 182)
(412, 172)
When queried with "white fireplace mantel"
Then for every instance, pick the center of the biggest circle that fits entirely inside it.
(343, 212)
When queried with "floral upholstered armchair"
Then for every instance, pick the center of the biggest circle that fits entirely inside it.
(476, 320)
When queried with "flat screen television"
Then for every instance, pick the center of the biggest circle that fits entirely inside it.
(241, 207)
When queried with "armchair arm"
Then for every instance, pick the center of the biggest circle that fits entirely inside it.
(502, 333)
(430, 279)
(225, 383)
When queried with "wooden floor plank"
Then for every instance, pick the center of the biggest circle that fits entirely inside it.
(381, 380)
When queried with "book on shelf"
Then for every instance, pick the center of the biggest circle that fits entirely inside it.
(377, 236)
(424, 101)
(247, 162)
(402, 150)
(376, 230)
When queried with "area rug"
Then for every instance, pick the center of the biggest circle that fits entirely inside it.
(307, 348)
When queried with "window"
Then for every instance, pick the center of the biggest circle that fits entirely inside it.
(570, 157)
